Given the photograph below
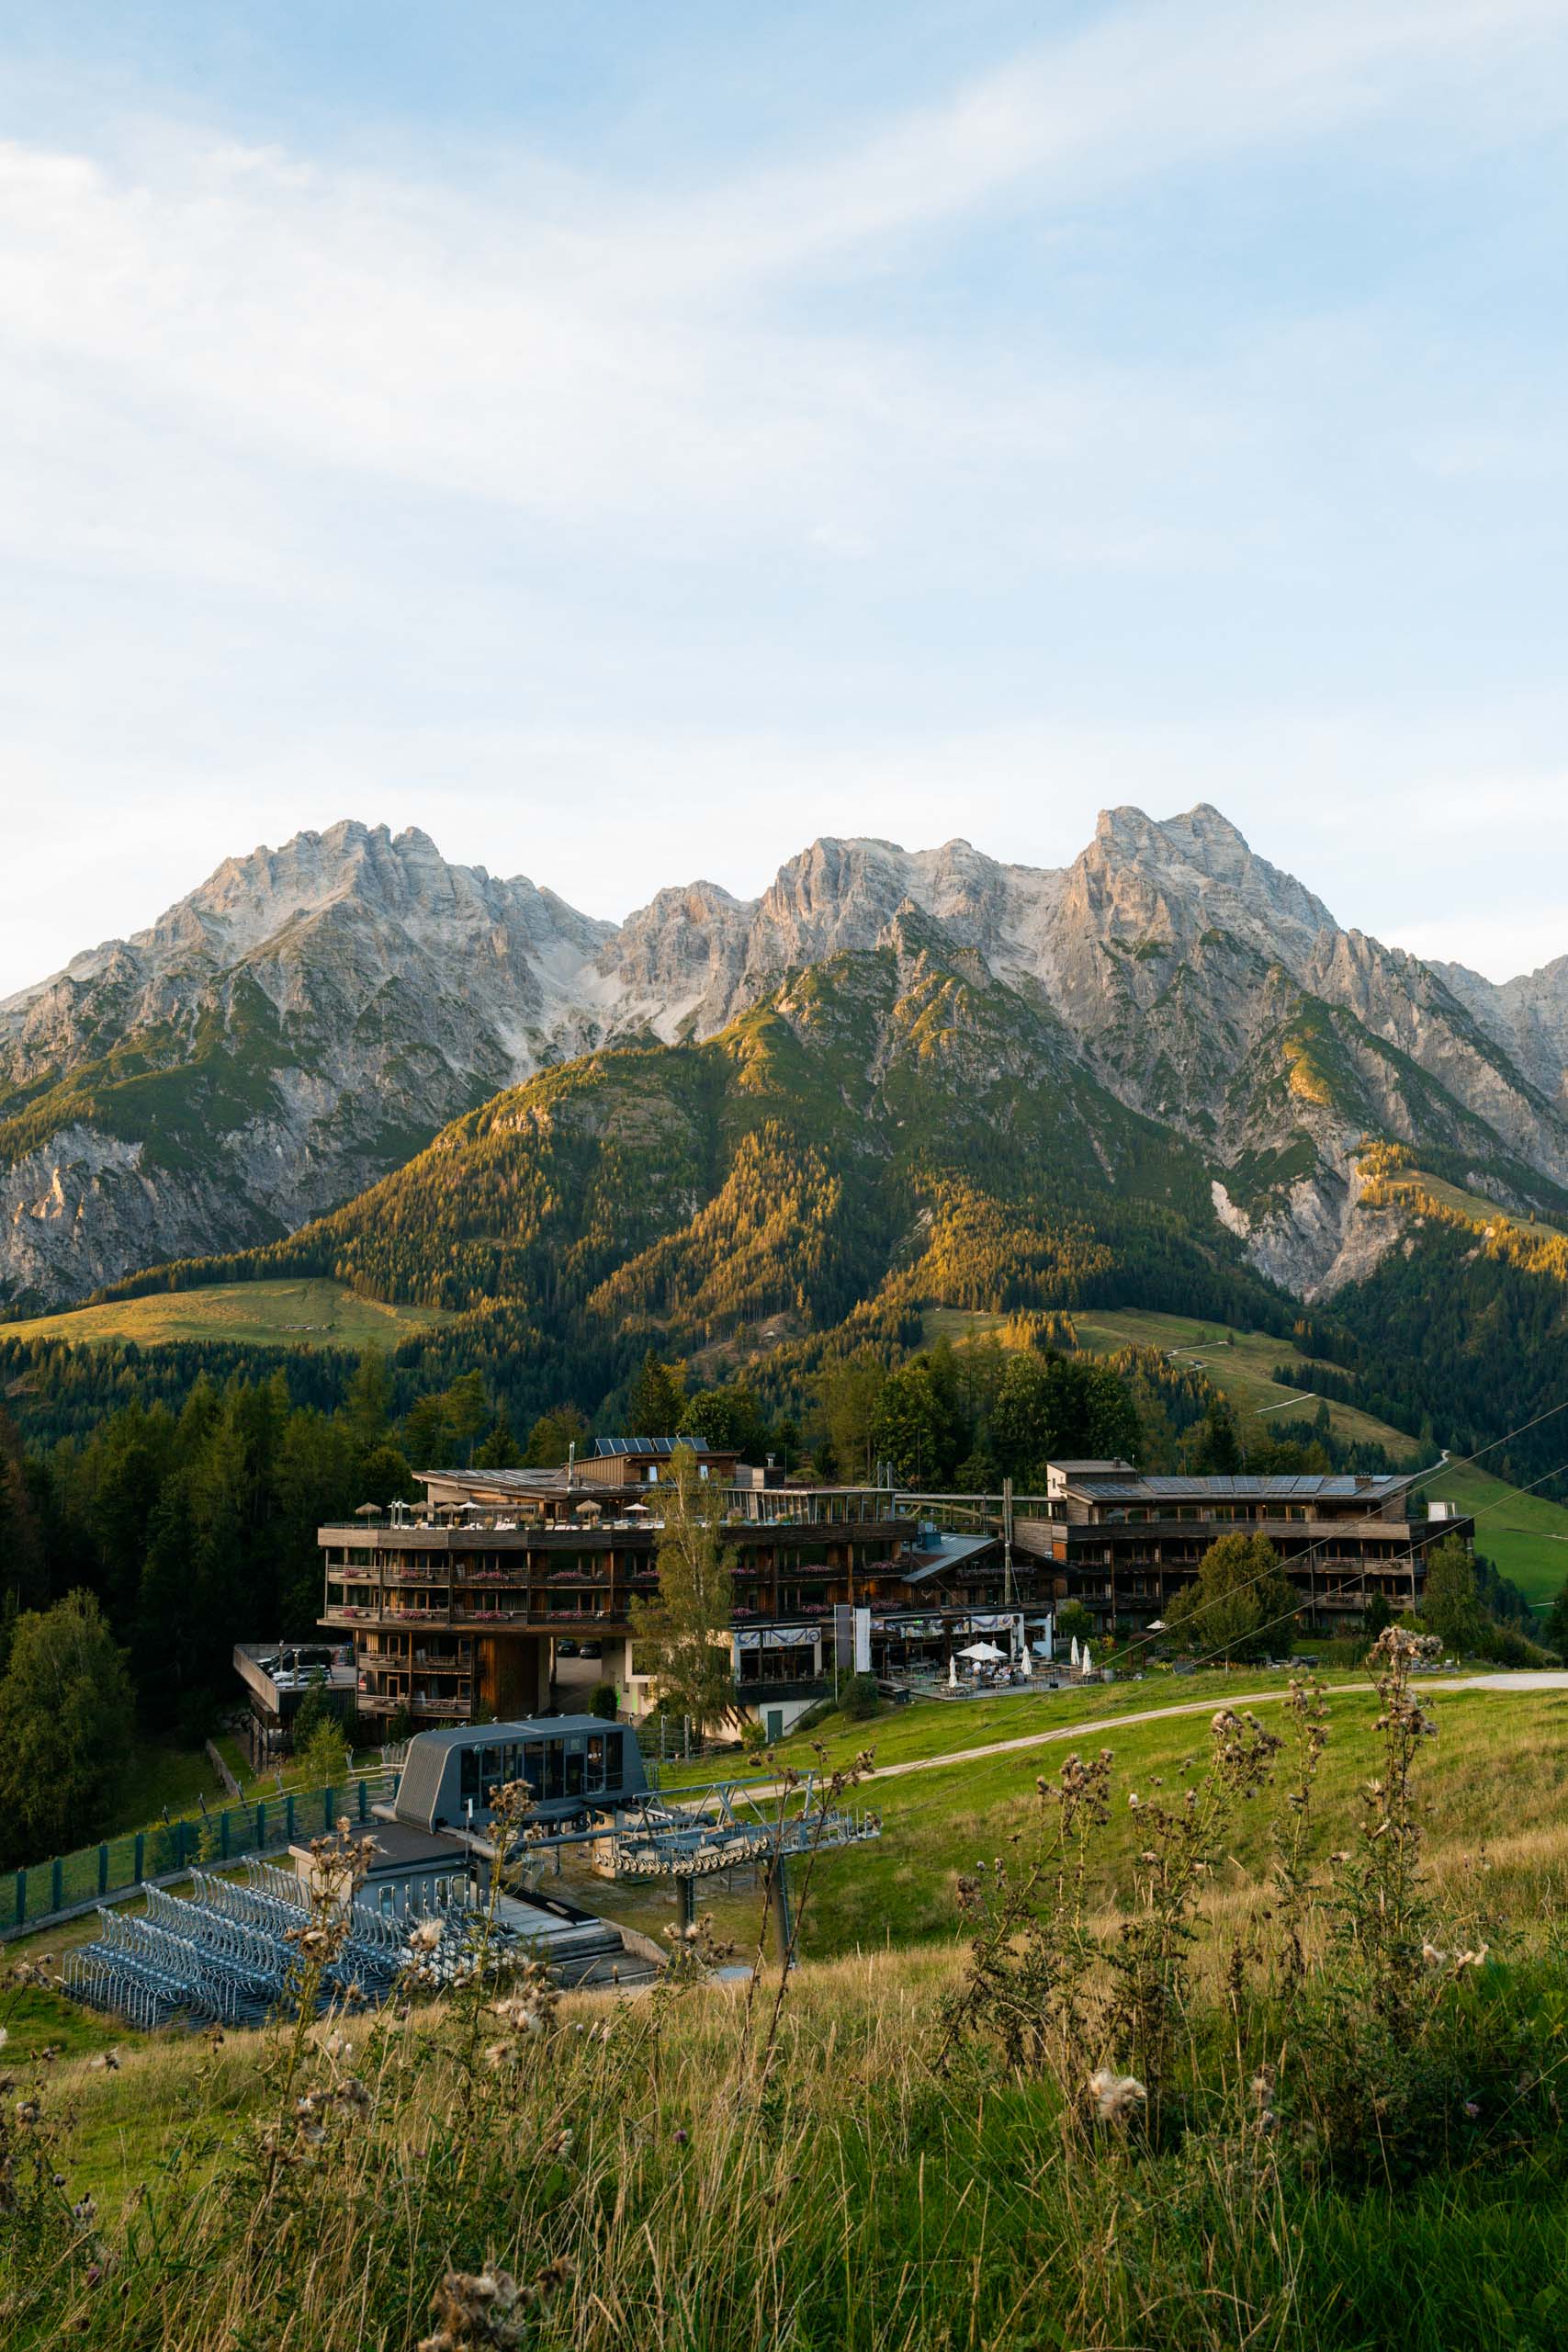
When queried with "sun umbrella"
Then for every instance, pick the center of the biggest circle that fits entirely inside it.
(368, 1510)
(986, 1652)
(1088, 1661)
(1026, 1661)
(953, 1674)
(1073, 1661)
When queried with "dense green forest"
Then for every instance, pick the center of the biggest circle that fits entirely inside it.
(195, 1526)
(1461, 1341)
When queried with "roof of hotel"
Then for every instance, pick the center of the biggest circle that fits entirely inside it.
(651, 1447)
(955, 1550)
(1323, 1486)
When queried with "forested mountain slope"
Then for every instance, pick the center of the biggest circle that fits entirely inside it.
(314, 1016)
(886, 1129)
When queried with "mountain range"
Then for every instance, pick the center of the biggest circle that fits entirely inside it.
(895, 1049)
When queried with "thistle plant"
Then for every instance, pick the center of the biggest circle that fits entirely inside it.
(296, 2126)
(1150, 1961)
(1291, 1874)
(1384, 1916)
(1023, 1984)
(840, 1781)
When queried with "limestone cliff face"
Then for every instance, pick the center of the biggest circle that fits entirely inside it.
(311, 1014)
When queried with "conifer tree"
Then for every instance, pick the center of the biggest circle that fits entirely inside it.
(66, 1723)
(658, 1399)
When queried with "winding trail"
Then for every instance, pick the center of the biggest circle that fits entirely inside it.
(1086, 1728)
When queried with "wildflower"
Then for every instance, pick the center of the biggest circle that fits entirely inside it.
(1431, 1956)
(1115, 2097)
(1469, 1959)
(426, 1936)
(1134, 1799)
(681, 2135)
(85, 2212)
(1471, 2108)
(473, 2309)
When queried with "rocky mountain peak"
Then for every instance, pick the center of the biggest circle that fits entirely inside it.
(312, 1012)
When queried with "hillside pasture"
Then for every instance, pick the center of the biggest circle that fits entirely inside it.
(1241, 1365)
(1525, 1535)
(314, 1313)
(639, 2163)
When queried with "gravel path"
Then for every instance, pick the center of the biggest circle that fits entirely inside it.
(1100, 1724)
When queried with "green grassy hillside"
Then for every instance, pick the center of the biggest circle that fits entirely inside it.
(1242, 1365)
(309, 1312)
(832, 2166)
(1525, 1535)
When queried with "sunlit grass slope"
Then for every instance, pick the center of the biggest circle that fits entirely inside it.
(315, 1312)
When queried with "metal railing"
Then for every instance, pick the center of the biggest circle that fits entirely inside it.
(94, 1873)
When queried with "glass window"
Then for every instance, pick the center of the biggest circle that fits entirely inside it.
(533, 1765)
(595, 1781)
(576, 1762)
(468, 1773)
(555, 1769)
(613, 1767)
(490, 1770)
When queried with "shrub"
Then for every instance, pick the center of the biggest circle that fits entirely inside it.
(859, 1698)
(604, 1700)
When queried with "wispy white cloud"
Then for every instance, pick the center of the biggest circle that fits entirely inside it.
(430, 495)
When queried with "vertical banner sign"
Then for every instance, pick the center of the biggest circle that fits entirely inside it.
(862, 1641)
(844, 1637)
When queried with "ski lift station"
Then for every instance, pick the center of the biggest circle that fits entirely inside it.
(227, 1951)
(590, 1788)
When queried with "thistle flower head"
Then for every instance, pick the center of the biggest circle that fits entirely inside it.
(1116, 2098)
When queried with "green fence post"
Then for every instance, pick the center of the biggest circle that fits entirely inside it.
(223, 1832)
(288, 1815)
(21, 1897)
(326, 1812)
(363, 1801)
(56, 1885)
(261, 1824)
(140, 1858)
(103, 1870)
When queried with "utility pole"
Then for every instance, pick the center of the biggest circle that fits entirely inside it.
(1006, 1569)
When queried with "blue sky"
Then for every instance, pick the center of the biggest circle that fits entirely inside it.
(628, 442)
